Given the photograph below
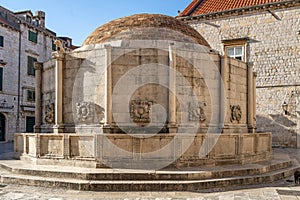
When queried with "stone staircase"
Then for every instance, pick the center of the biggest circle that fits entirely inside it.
(187, 179)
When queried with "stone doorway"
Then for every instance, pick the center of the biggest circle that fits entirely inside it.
(2, 127)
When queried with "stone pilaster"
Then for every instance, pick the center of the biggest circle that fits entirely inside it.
(66, 146)
(254, 100)
(223, 88)
(37, 146)
(38, 96)
(172, 89)
(250, 98)
(298, 131)
(108, 89)
(60, 57)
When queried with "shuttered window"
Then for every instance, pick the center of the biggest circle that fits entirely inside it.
(53, 46)
(32, 36)
(30, 122)
(30, 65)
(30, 95)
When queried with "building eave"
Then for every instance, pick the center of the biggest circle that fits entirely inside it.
(242, 11)
(236, 40)
(9, 26)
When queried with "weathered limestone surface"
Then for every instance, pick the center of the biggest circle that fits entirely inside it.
(273, 48)
(94, 150)
(84, 86)
(146, 103)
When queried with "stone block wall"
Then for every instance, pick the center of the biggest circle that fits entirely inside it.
(236, 91)
(123, 151)
(197, 87)
(9, 53)
(10, 81)
(273, 48)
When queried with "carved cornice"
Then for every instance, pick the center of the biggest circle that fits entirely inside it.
(58, 56)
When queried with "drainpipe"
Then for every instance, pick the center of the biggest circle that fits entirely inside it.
(19, 84)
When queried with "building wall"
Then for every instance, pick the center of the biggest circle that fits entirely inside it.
(273, 47)
(10, 55)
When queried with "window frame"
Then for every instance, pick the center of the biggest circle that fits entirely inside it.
(234, 54)
(233, 43)
(30, 65)
(30, 93)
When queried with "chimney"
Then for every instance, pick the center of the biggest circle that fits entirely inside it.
(41, 16)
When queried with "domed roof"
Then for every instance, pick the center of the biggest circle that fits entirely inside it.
(145, 27)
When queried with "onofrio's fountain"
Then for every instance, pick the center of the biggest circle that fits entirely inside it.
(145, 92)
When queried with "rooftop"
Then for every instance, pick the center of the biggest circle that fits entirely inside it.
(199, 7)
(145, 27)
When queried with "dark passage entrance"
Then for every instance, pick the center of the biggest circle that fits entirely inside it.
(2, 127)
(30, 121)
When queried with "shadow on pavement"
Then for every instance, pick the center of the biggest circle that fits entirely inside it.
(6, 150)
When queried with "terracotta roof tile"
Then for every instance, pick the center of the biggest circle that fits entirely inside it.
(198, 7)
(190, 8)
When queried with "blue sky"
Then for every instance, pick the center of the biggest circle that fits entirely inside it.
(77, 19)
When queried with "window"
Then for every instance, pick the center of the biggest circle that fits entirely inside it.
(236, 48)
(30, 65)
(28, 19)
(32, 36)
(30, 122)
(1, 41)
(1, 79)
(53, 45)
(236, 52)
(68, 43)
(30, 95)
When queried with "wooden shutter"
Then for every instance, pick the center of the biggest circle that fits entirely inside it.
(30, 65)
(32, 36)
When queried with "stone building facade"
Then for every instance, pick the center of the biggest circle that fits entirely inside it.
(24, 39)
(267, 35)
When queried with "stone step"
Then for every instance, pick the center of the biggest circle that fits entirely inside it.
(21, 168)
(145, 185)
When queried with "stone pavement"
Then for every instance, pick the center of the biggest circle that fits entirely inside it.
(6, 150)
(289, 192)
(280, 190)
(6, 147)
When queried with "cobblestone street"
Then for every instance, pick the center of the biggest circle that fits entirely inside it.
(280, 190)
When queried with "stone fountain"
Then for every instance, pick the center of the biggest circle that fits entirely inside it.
(144, 92)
